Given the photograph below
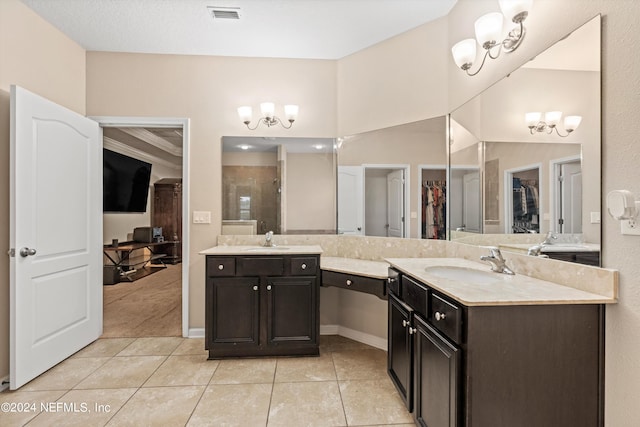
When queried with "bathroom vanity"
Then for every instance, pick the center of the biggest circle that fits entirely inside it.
(468, 347)
(262, 301)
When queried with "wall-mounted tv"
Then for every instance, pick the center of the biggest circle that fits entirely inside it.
(125, 183)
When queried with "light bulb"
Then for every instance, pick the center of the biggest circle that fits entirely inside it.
(245, 113)
(464, 53)
(489, 29)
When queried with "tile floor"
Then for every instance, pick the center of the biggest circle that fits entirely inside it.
(168, 381)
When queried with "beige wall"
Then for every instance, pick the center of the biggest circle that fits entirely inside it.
(208, 90)
(400, 80)
(39, 58)
(311, 192)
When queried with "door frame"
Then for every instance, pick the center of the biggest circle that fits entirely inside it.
(508, 190)
(407, 181)
(554, 186)
(117, 121)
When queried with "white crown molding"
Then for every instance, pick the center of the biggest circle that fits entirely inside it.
(121, 148)
(152, 139)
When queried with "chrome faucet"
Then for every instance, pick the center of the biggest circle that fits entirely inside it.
(498, 263)
(268, 239)
(548, 239)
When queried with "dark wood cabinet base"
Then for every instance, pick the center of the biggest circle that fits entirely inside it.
(262, 306)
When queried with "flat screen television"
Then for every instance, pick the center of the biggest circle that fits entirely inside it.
(125, 185)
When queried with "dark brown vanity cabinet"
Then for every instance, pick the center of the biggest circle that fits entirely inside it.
(262, 306)
(400, 359)
(495, 366)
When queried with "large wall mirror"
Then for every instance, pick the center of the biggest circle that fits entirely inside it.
(284, 185)
(392, 181)
(518, 186)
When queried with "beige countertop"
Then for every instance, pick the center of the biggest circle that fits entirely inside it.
(263, 250)
(560, 247)
(506, 289)
(359, 267)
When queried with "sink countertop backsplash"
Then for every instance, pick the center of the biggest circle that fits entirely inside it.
(601, 281)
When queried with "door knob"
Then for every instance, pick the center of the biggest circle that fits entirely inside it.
(25, 252)
(268, 287)
(255, 288)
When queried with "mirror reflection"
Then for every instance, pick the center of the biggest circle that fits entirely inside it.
(392, 181)
(284, 185)
(533, 184)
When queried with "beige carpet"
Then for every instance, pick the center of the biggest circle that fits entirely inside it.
(149, 307)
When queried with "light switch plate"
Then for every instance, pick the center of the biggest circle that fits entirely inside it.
(201, 217)
(595, 217)
(630, 227)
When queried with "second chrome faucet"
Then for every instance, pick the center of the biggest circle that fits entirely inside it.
(498, 263)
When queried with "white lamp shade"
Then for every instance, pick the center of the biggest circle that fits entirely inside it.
(464, 52)
(489, 28)
(552, 118)
(572, 122)
(532, 119)
(245, 113)
(267, 109)
(291, 112)
(513, 8)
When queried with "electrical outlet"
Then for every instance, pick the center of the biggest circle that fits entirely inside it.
(630, 227)
(201, 217)
(595, 217)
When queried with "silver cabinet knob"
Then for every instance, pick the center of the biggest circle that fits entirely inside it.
(439, 316)
(25, 252)
(303, 266)
(268, 287)
(412, 331)
(255, 288)
(220, 267)
(349, 282)
(405, 323)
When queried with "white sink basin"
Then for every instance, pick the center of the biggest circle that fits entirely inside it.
(267, 249)
(467, 275)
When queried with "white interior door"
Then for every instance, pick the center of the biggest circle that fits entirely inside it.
(395, 203)
(56, 234)
(571, 197)
(350, 200)
(471, 202)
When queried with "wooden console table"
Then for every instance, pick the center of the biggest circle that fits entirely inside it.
(122, 262)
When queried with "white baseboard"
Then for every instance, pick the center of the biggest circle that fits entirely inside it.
(196, 333)
(362, 337)
(329, 329)
(4, 386)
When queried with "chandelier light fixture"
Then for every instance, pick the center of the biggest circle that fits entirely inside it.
(268, 115)
(488, 30)
(550, 122)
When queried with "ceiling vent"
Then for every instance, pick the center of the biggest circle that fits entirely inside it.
(232, 13)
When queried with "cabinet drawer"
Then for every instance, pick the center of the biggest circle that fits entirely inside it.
(415, 294)
(368, 285)
(446, 317)
(393, 282)
(221, 266)
(261, 266)
(304, 266)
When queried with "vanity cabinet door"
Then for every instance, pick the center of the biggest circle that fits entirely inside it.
(437, 368)
(233, 312)
(292, 314)
(400, 345)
